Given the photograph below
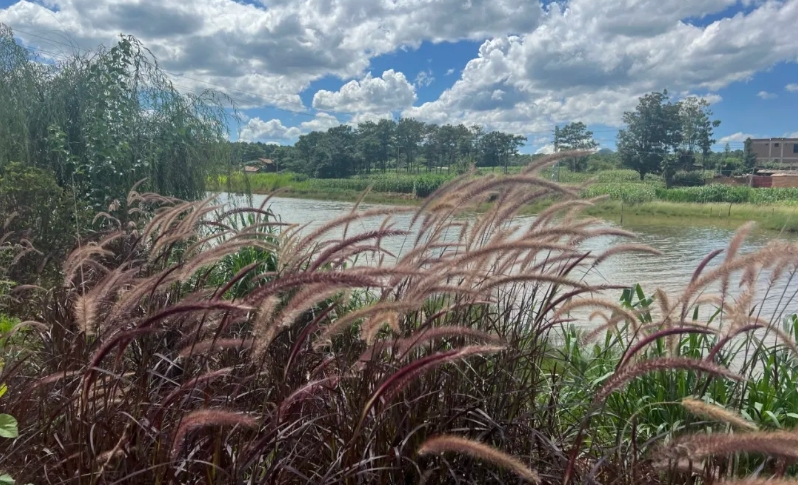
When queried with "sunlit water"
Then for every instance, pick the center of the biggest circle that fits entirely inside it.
(683, 247)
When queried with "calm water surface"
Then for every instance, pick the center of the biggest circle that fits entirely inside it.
(683, 247)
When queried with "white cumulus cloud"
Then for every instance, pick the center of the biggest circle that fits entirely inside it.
(572, 60)
(766, 95)
(268, 131)
(590, 60)
(322, 122)
(735, 138)
(389, 92)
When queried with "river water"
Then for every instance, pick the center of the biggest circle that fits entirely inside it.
(683, 246)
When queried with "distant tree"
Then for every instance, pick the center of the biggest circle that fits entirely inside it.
(574, 136)
(386, 135)
(512, 144)
(749, 157)
(697, 127)
(409, 135)
(652, 131)
(368, 144)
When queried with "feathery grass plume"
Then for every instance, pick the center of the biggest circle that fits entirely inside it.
(627, 356)
(546, 215)
(263, 327)
(763, 256)
(85, 310)
(626, 248)
(756, 325)
(739, 237)
(405, 345)
(307, 391)
(344, 322)
(79, 257)
(371, 327)
(205, 418)
(439, 445)
(213, 345)
(86, 306)
(622, 376)
(704, 262)
(305, 300)
(396, 382)
(774, 443)
(324, 257)
(347, 278)
(595, 302)
(537, 278)
(211, 256)
(22, 326)
(717, 413)
(306, 241)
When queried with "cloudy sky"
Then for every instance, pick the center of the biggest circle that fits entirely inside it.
(514, 65)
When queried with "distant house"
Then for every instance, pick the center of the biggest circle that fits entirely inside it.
(779, 154)
(251, 169)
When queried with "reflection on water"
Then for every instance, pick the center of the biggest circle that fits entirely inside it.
(683, 247)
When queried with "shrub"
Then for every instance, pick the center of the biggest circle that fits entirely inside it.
(41, 222)
(688, 179)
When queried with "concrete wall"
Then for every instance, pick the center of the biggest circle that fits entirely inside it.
(781, 151)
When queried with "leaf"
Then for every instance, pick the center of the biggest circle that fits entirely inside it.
(6, 479)
(3, 389)
(8, 426)
(773, 418)
(603, 378)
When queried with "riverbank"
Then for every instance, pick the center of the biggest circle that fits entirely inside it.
(774, 218)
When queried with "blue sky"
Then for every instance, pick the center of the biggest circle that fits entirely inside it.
(293, 66)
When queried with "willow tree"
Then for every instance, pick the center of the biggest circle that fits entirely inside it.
(104, 120)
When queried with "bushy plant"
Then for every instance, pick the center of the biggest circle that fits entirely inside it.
(41, 223)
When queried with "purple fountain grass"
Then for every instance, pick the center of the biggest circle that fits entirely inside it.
(454, 444)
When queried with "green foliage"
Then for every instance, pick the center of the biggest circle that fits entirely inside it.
(8, 426)
(652, 131)
(629, 193)
(101, 122)
(729, 194)
(574, 136)
(663, 137)
(38, 213)
(692, 178)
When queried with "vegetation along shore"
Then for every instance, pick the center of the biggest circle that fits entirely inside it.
(627, 197)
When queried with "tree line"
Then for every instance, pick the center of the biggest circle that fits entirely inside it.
(408, 144)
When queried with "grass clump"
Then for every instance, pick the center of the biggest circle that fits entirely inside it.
(202, 343)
